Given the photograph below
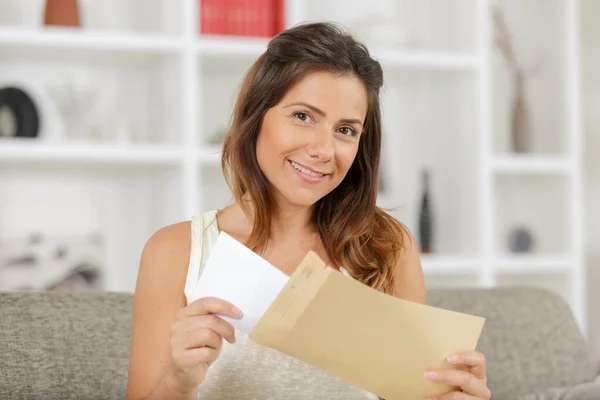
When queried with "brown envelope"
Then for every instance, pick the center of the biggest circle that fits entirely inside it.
(372, 340)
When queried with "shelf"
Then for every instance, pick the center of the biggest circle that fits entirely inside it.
(426, 59)
(89, 153)
(533, 264)
(449, 265)
(231, 46)
(75, 39)
(531, 164)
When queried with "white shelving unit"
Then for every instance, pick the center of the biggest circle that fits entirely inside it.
(532, 164)
(88, 153)
(440, 106)
(64, 39)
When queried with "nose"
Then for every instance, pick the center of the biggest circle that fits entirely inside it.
(321, 146)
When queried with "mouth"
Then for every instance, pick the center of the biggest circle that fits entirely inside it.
(307, 171)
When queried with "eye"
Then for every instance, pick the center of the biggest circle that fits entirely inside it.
(347, 131)
(302, 116)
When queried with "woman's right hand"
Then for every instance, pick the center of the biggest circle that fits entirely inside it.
(197, 339)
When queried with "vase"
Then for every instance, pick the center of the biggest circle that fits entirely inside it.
(62, 13)
(520, 127)
(425, 215)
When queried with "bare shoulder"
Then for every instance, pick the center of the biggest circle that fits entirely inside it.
(410, 282)
(171, 243)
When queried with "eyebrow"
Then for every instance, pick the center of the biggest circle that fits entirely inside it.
(323, 114)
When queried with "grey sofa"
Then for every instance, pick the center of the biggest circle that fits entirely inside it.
(76, 346)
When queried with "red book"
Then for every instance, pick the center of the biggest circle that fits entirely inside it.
(209, 17)
(279, 23)
(255, 20)
(258, 18)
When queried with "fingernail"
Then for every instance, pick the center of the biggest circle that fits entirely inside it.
(453, 359)
(236, 312)
(431, 374)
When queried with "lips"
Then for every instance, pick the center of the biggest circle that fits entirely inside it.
(308, 170)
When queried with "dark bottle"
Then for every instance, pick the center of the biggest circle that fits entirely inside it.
(425, 215)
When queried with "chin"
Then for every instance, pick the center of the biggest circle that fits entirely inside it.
(301, 197)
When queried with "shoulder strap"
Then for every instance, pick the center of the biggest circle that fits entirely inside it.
(210, 233)
(205, 248)
(197, 255)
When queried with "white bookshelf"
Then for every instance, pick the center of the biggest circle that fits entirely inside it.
(440, 109)
(88, 153)
(528, 264)
(74, 39)
(449, 265)
(510, 164)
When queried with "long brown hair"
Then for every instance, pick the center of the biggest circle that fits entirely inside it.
(356, 234)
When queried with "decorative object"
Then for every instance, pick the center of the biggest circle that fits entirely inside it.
(425, 214)
(75, 99)
(41, 263)
(19, 116)
(62, 13)
(520, 240)
(520, 126)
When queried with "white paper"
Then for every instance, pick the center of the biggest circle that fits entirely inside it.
(238, 275)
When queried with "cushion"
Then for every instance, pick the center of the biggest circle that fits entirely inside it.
(584, 391)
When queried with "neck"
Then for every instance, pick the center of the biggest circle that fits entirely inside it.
(289, 220)
(292, 220)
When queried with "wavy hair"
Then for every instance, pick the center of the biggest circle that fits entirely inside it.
(355, 232)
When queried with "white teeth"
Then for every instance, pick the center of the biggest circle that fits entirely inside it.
(305, 171)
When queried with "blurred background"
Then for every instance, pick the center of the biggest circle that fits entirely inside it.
(112, 114)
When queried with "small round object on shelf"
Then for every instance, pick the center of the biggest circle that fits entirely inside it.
(19, 116)
(520, 240)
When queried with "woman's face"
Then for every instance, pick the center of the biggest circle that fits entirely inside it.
(309, 140)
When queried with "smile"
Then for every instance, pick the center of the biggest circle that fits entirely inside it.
(306, 171)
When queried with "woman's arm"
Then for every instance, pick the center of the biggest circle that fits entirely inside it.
(158, 298)
(410, 282)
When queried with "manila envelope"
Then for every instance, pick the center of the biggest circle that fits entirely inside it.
(372, 340)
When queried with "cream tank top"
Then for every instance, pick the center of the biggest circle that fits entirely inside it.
(245, 370)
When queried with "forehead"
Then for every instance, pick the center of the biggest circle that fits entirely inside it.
(332, 93)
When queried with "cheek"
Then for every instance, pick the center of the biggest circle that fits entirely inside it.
(270, 144)
(345, 157)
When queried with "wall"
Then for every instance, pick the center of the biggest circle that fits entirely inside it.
(591, 92)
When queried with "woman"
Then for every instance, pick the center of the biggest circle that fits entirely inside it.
(302, 158)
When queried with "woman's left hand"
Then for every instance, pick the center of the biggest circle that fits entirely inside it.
(471, 384)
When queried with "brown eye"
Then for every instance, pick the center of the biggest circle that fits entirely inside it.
(347, 131)
(302, 116)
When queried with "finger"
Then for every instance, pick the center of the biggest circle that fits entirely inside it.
(210, 305)
(469, 383)
(217, 324)
(453, 396)
(194, 357)
(201, 338)
(195, 339)
(472, 359)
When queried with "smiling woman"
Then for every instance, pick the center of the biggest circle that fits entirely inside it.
(302, 159)
(306, 134)
(306, 148)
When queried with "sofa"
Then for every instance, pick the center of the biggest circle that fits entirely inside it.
(76, 345)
